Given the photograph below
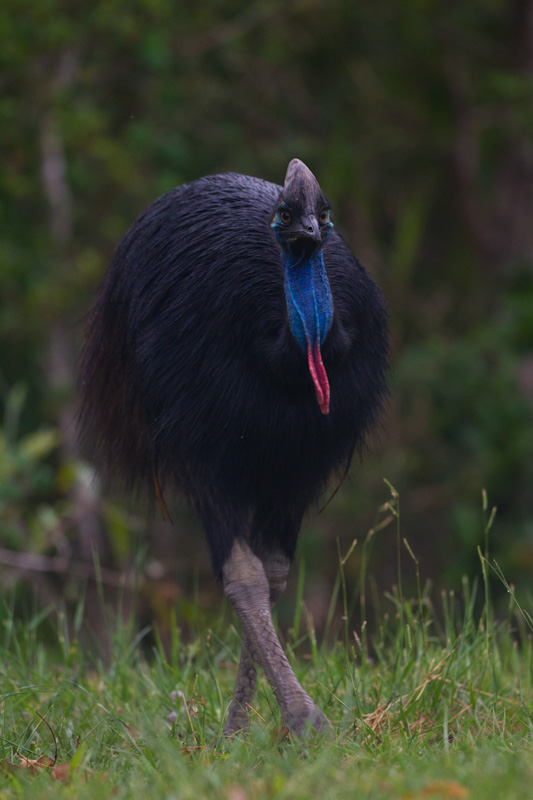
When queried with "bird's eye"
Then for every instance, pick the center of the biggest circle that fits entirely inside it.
(323, 217)
(285, 217)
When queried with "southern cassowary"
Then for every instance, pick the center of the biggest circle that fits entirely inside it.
(237, 352)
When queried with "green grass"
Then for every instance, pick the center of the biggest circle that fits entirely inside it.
(437, 704)
(436, 712)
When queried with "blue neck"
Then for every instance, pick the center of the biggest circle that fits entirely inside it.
(309, 300)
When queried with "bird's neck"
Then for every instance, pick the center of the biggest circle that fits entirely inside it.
(308, 296)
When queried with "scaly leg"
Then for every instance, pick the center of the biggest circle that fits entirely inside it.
(238, 720)
(276, 567)
(249, 590)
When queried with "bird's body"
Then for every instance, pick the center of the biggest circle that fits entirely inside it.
(235, 361)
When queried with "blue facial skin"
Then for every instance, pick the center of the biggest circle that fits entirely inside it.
(307, 291)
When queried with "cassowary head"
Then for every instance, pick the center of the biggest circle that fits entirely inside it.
(301, 221)
(301, 224)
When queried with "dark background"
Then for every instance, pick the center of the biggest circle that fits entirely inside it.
(417, 119)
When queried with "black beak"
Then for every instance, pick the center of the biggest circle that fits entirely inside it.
(308, 228)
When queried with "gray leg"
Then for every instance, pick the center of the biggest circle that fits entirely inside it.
(243, 693)
(276, 567)
(249, 586)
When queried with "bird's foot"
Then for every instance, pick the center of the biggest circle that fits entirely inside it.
(308, 722)
(238, 721)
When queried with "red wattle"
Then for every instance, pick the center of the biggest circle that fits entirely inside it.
(319, 376)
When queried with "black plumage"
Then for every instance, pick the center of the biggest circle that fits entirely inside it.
(192, 376)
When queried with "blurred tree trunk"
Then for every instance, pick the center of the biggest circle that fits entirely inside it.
(62, 350)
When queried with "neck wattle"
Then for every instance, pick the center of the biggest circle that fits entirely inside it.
(310, 308)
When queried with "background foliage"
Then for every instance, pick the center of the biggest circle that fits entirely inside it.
(416, 118)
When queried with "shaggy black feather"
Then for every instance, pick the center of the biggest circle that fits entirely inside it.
(190, 372)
